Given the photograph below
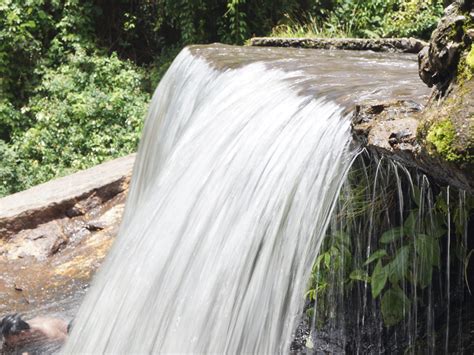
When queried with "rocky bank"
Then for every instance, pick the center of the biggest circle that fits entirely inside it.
(54, 236)
(439, 139)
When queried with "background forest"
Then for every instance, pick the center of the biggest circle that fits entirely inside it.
(76, 75)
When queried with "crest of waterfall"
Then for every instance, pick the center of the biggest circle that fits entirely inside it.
(235, 180)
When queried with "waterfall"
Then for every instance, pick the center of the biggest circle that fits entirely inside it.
(231, 193)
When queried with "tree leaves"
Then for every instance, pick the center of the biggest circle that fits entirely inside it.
(410, 223)
(428, 251)
(375, 256)
(392, 235)
(359, 275)
(398, 268)
(378, 279)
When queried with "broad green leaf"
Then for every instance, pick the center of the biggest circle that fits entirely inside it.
(427, 249)
(378, 279)
(375, 256)
(410, 223)
(424, 273)
(398, 267)
(359, 275)
(392, 235)
(394, 305)
(436, 224)
(327, 260)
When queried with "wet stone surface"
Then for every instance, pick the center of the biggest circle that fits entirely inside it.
(46, 269)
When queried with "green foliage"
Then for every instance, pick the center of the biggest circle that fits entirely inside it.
(9, 169)
(335, 259)
(85, 111)
(378, 279)
(64, 105)
(10, 120)
(23, 29)
(405, 255)
(61, 104)
(237, 28)
(470, 59)
(413, 256)
(414, 18)
(372, 19)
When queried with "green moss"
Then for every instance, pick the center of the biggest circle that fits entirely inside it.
(442, 135)
(465, 69)
(470, 59)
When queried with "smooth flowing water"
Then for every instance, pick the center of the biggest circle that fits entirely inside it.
(243, 154)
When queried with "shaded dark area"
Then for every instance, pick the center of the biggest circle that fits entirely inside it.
(436, 310)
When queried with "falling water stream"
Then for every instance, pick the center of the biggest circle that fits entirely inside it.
(242, 158)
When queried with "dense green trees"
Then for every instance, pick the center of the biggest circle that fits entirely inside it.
(75, 75)
(65, 103)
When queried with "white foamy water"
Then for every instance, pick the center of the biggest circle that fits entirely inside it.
(234, 182)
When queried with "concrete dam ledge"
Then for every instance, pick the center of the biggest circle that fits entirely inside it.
(402, 45)
(69, 196)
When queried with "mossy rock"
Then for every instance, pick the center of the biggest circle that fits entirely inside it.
(442, 136)
(447, 128)
(470, 59)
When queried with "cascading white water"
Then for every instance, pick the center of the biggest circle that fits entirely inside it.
(231, 194)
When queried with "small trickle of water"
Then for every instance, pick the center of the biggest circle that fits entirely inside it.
(392, 274)
(235, 179)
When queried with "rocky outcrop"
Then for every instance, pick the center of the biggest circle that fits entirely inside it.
(447, 125)
(54, 237)
(438, 61)
(390, 129)
(405, 45)
(438, 140)
(67, 197)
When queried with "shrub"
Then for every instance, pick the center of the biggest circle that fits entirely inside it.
(414, 18)
(372, 18)
(86, 111)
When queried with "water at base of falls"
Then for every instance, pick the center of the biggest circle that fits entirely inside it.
(231, 194)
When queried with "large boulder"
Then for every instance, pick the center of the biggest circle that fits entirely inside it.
(447, 64)
(439, 60)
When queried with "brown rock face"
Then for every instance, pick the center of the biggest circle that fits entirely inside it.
(70, 196)
(54, 236)
(439, 60)
(391, 129)
(439, 140)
